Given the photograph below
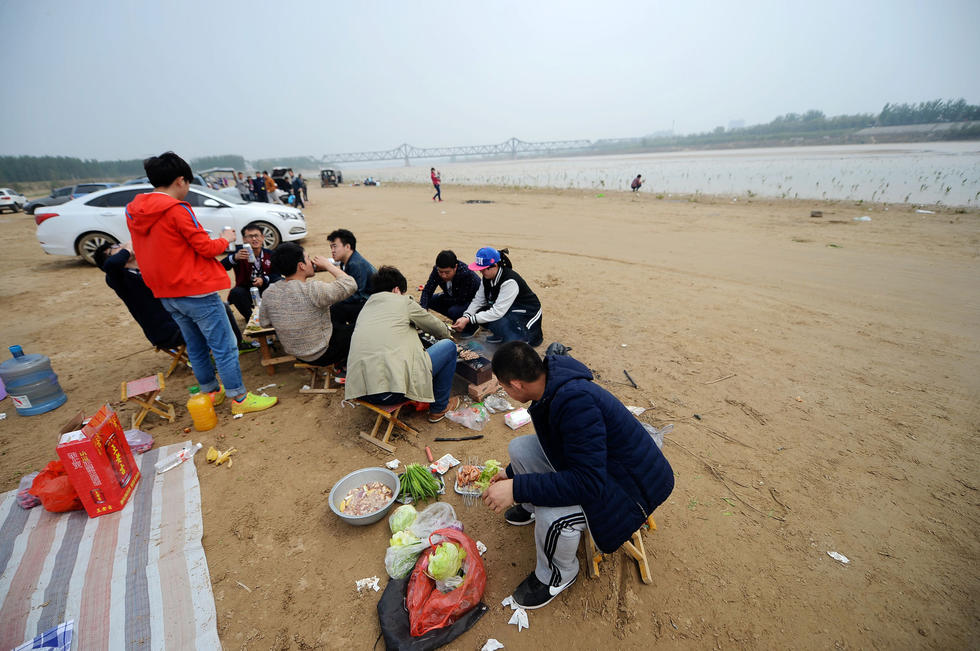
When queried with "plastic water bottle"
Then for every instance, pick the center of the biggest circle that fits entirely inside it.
(251, 255)
(231, 244)
(31, 383)
(201, 410)
(256, 297)
(171, 461)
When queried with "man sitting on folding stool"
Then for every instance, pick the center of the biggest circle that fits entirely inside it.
(387, 363)
(590, 461)
(299, 307)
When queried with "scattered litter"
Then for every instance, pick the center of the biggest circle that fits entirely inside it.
(491, 645)
(480, 547)
(444, 463)
(816, 213)
(623, 345)
(268, 386)
(799, 399)
(238, 415)
(370, 582)
(393, 464)
(443, 212)
(517, 418)
(248, 589)
(862, 218)
(495, 403)
(3, 416)
(306, 387)
(519, 619)
(626, 373)
(839, 557)
(636, 411)
(925, 212)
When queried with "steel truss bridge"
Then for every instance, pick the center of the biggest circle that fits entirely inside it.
(511, 148)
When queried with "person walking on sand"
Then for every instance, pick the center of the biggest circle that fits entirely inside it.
(637, 183)
(177, 258)
(436, 183)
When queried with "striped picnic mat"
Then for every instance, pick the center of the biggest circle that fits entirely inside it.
(133, 579)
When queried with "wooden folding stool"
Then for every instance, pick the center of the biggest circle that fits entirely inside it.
(385, 413)
(633, 547)
(179, 357)
(317, 374)
(145, 392)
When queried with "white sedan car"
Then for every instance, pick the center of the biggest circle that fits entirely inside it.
(80, 226)
(11, 200)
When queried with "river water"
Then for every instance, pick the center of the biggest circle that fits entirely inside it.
(945, 173)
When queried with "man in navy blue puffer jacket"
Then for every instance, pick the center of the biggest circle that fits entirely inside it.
(590, 462)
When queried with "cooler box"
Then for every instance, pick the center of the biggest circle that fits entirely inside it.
(100, 464)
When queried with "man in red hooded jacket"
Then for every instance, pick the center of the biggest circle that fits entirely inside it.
(177, 258)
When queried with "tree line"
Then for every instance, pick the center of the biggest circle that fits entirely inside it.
(20, 169)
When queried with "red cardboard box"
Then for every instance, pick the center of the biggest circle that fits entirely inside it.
(101, 466)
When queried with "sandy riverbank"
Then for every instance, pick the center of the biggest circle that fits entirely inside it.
(847, 422)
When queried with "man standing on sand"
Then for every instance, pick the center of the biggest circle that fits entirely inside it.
(589, 458)
(436, 183)
(637, 183)
(177, 258)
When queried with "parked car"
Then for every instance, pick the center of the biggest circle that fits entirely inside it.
(282, 181)
(67, 193)
(11, 200)
(331, 177)
(197, 180)
(80, 226)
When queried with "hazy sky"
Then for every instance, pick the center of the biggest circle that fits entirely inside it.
(126, 79)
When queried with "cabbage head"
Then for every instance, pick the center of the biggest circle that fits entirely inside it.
(402, 538)
(402, 518)
(446, 560)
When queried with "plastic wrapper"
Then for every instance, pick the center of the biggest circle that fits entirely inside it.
(474, 417)
(24, 499)
(658, 434)
(497, 404)
(139, 441)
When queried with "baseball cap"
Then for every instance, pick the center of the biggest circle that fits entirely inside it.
(485, 257)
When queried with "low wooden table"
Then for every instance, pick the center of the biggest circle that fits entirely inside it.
(268, 361)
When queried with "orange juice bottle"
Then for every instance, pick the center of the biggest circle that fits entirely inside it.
(201, 409)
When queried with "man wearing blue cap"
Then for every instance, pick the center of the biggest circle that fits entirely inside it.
(503, 304)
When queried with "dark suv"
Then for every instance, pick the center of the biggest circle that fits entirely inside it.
(67, 193)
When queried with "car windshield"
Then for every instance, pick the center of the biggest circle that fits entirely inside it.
(227, 197)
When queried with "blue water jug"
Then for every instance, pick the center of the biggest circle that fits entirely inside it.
(31, 383)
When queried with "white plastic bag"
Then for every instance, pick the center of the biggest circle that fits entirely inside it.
(658, 434)
(496, 404)
(474, 417)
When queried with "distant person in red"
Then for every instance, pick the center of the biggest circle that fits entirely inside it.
(637, 183)
(437, 184)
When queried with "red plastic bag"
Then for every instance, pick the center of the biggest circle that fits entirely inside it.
(56, 493)
(430, 609)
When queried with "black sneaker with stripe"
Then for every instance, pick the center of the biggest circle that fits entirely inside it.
(518, 516)
(531, 593)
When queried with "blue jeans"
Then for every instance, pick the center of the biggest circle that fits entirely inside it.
(511, 327)
(443, 358)
(204, 324)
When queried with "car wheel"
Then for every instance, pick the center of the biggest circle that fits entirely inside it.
(16, 208)
(271, 234)
(88, 243)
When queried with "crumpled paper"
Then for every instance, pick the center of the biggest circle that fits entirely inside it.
(393, 464)
(480, 547)
(839, 557)
(519, 618)
(444, 463)
(491, 645)
(370, 582)
(636, 411)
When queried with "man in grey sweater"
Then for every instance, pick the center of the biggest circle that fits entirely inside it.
(299, 308)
